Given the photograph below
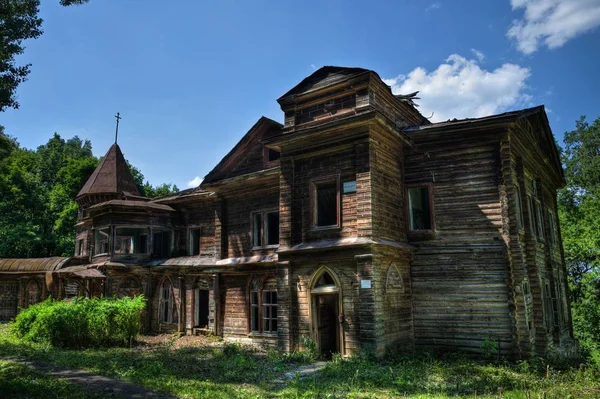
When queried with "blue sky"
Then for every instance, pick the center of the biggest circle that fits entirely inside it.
(191, 77)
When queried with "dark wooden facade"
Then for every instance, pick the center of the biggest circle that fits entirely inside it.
(357, 223)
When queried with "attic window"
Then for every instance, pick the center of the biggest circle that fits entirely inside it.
(270, 156)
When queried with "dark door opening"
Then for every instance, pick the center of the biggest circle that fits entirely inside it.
(201, 308)
(327, 324)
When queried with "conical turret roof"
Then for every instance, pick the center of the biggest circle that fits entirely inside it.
(112, 176)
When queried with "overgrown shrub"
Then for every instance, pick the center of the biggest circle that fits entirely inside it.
(81, 322)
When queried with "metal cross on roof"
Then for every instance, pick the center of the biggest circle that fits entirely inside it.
(118, 116)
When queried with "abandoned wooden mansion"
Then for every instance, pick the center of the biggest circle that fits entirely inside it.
(357, 223)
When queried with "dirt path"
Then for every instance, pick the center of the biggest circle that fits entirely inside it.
(105, 386)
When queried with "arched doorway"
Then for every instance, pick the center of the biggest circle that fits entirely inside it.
(326, 305)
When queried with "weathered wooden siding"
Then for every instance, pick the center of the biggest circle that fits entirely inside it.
(387, 188)
(338, 161)
(239, 209)
(459, 281)
(540, 259)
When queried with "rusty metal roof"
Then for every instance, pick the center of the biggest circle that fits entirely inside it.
(12, 265)
(111, 176)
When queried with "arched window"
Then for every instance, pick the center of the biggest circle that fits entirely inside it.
(168, 307)
(323, 282)
(32, 293)
(263, 306)
(130, 287)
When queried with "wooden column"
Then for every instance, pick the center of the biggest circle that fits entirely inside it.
(286, 186)
(285, 337)
(217, 301)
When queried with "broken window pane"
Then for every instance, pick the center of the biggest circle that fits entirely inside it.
(130, 240)
(101, 241)
(419, 211)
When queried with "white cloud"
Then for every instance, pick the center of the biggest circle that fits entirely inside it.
(195, 182)
(433, 6)
(460, 88)
(480, 56)
(313, 67)
(552, 22)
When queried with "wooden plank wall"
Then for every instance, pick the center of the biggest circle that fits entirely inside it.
(459, 281)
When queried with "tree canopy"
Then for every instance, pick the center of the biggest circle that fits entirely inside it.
(579, 213)
(19, 21)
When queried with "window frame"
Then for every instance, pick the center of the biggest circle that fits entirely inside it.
(551, 228)
(266, 162)
(425, 232)
(170, 304)
(191, 230)
(262, 214)
(259, 294)
(97, 241)
(519, 204)
(313, 201)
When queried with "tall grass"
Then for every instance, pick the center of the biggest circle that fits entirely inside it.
(81, 322)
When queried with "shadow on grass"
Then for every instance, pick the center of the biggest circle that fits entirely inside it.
(448, 376)
(232, 371)
(225, 371)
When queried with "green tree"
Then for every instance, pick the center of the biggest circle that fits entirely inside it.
(19, 21)
(579, 213)
(580, 200)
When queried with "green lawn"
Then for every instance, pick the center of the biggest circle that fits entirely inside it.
(19, 381)
(191, 368)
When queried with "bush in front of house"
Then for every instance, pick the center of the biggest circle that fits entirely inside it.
(81, 322)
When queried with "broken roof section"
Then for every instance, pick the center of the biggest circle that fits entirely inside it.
(323, 77)
(112, 176)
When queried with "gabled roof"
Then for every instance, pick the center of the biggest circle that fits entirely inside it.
(228, 163)
(111, 176)
(323, 77)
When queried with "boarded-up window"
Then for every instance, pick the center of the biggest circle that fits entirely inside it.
(72, 288)
(551, 230)
(519, 209)
(419, 209)
(539, 223)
